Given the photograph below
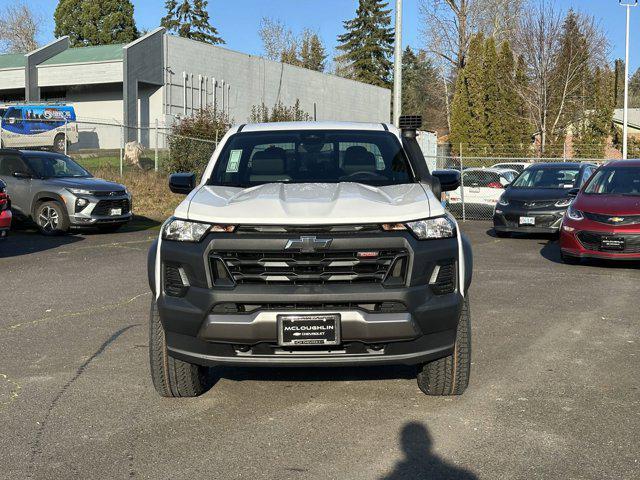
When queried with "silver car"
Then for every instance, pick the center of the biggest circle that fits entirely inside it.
(58, 194)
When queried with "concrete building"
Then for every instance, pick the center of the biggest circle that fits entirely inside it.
(161, 77)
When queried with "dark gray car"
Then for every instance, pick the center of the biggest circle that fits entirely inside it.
(57, 193)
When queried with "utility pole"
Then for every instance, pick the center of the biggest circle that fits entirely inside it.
(397, 67)
(625, 111)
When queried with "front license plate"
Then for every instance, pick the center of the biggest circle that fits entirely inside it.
(527, 221)
(309, 329)
(612, 243)
(115, 211)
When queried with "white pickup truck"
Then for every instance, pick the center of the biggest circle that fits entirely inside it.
(311, 244)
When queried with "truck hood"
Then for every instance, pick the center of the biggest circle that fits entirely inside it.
(307, 204)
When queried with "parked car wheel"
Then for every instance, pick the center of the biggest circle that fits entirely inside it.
(59, 143)
(172, 377)
(51, 218)
(450, 375)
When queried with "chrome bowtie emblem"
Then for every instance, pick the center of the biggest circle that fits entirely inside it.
(616, 219)
(308, 244)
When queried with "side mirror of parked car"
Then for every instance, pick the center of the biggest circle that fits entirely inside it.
(21, 175)
(573, 192)
(182, 182)
(449, 179)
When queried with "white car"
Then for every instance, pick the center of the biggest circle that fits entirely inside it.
(482, 186)
(517, 166)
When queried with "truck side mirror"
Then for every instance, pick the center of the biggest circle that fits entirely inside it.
(449, 179)
(182, 182)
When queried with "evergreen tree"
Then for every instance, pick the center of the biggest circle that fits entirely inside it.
(190, 19)
(422, 90)
(476, 84)
(95, 22)
(494, 118)
(312, 52)
(618, 85)
(570, 86)
(634, 90)
(594, 130)
(367, 44)
(522, 128)
(468, 122)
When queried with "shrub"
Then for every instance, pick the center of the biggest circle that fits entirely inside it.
(193, 140)
(279, 113)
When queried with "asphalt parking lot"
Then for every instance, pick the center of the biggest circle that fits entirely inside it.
(554, 393)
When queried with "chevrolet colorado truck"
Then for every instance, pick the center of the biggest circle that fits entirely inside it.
(311, 244)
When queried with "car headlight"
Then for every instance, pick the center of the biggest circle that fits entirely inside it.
(565, 202)
(574, 214)
(440, 227)
(80, 191)
(503, 201)
(185, 231)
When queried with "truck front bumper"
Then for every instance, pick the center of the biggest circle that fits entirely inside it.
(406, 324)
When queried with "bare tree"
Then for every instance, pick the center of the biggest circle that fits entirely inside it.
(19, 27)
(447, 25)
(557, 67)
(278, 41)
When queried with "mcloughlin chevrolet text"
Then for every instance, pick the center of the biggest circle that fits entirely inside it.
(311, 244)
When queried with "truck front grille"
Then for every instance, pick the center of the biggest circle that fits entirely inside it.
(297, 268)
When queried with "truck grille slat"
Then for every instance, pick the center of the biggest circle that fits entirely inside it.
(308, 268)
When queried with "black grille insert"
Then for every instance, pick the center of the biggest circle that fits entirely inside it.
(445, 281)
(297, 268)
(173, 281)
(103, 207)
(377, 307)
(593, 241)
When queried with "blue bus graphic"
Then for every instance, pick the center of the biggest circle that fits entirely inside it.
(35, 119)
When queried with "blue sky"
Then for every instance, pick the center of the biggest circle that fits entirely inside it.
(238, 20)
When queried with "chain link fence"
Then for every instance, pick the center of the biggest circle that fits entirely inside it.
(114, 150)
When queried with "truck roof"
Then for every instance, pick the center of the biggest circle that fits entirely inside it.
(263, 127)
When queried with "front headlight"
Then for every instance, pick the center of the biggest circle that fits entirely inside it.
(185, 231)
(503, 201)
(565, 202)
(440, 227)
(574, 214)
(79, 191)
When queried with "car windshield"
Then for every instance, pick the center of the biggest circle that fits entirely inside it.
(55, 166)
(312, 156)
(615, 181)
(547, 177)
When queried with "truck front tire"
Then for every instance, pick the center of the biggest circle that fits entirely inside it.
(450, 375)
(172, 377)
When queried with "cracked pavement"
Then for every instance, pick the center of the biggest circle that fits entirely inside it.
(554, 393)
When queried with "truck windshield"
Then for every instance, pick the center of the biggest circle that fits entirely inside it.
(312, 156)
(615, 181)
(55, 166)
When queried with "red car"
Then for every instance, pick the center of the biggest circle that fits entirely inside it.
(5, 211)
(604, 219)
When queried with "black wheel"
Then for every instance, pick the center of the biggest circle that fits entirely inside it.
(52, 218)
(569, 259)
(450, 375)
(500, 234)
(172, 377)
(59, 142)
(109, 228)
